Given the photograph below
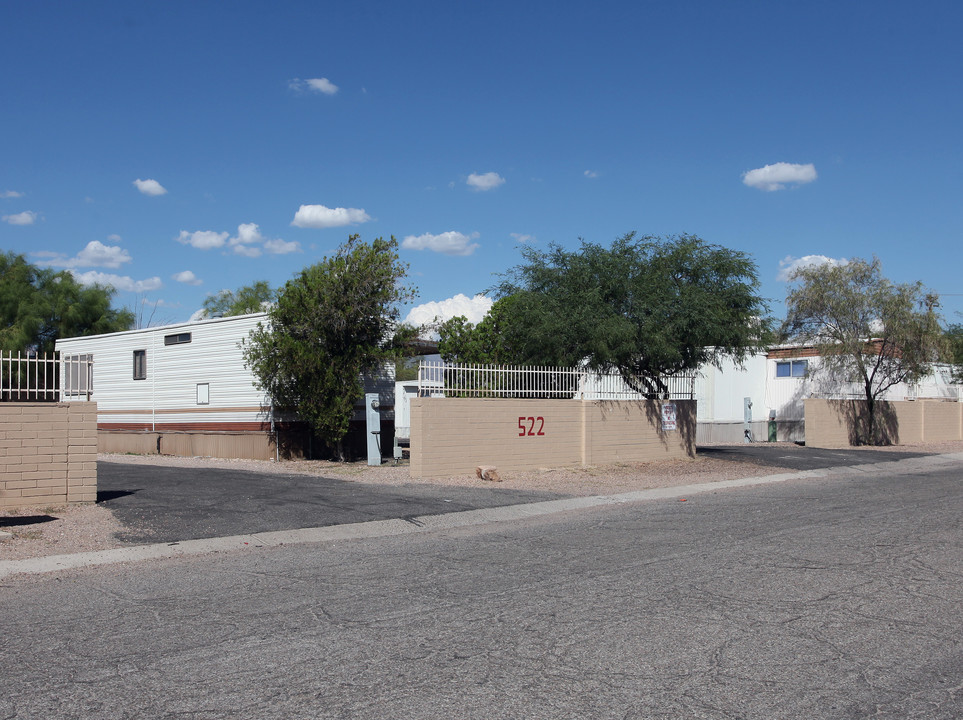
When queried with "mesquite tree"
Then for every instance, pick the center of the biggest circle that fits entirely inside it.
(867, 329)
(646, 307)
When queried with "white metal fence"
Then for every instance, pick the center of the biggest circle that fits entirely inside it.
(41, 378)
(516, 381)
(939, 384)
(901, 391)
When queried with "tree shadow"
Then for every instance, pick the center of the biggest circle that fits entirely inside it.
(685, 420)
(854, 414)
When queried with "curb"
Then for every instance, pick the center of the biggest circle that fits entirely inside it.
(434, 523)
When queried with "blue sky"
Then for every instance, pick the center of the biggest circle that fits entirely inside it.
(178, 148)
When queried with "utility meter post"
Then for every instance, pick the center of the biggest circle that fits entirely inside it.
(747, 424)
(373, 425)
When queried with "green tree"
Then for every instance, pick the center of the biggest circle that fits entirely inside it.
(406, 368)
(332, 322)
(867, 329)
(646, 307)
(491, 341)
(40, 305)
(247, 299)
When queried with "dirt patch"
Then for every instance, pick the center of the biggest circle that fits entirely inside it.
(38, 532)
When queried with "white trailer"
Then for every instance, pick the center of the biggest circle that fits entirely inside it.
(176, 377)
(184, 390)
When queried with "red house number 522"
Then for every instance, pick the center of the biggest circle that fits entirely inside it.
(526, 426)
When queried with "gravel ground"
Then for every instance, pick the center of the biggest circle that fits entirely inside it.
(38, 532)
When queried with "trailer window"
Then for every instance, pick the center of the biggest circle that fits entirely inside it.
(140, 364)
(78, 374)
(178, 339)
(792, 368)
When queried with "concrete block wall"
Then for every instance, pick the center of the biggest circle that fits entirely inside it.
(620, 431)
(903, 422)
(48, 453)
(829, 423)
(453, 436)
(942, 421)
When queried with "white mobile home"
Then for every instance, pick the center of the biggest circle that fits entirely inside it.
(184, 390)
(777, 384)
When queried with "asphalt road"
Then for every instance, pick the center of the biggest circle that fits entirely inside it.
(836, 597)
(170, 504)
(800, 457)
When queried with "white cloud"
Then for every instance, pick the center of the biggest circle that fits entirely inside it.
(11, 194)
(447, 243)
(281, 247)
(319, 216)
(591, 174)
(248, 242)
(150, 187)
(247, 251)
(789, 264)
(321, 85)
(187, 277)
(203, 239)
(248, 234)
(474, 309)
(27, 217)
(522, 238)
(485, 181)
(249, 237)
(96, 254)
(778, 175)
(124, 283)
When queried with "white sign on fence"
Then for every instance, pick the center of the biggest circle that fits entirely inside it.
(668, 416)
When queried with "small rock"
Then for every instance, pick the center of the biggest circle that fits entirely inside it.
(488, 472)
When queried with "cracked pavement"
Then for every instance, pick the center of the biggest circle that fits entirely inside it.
(832, 597)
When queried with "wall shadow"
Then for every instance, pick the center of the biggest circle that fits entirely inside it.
(108, 495)
(18, 520)
(685, 419)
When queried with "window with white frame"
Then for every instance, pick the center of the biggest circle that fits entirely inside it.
(792, 368)
(78, 374)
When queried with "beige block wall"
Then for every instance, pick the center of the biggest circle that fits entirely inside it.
(942, 421)
(829, 422)
(903, 422)
(453, 436)
(632, 431)
(48, 453)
